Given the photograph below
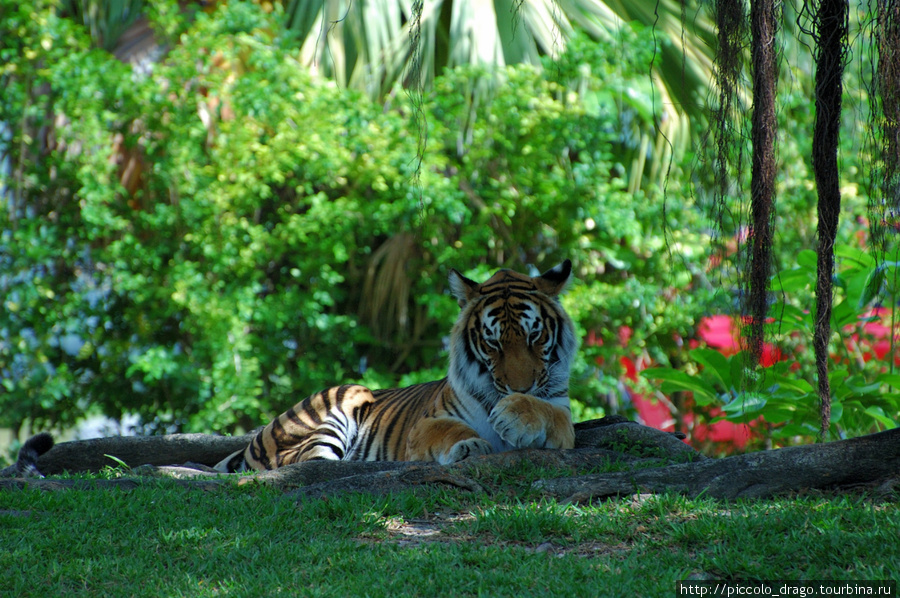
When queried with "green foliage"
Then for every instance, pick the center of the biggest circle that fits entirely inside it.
(864, 385)
(42, 331)
(781, 400)
(208, 244)
(784, 395)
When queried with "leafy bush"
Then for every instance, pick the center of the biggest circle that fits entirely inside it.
(208, 244)
(780, 401)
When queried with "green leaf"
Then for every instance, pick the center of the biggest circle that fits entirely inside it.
(779, 415)
(795, 279)
(738, 363)
(745, 407)
(872, 288)
(792, 312)
(837, 411)
(794, 429)
(675, 380)
(844, 314)
(890, 380)
(118, 461)
(878, 414)
(715, 365)
(837, 377)
(862, 258)
(860, 386)
(807, 259)
(796, 385)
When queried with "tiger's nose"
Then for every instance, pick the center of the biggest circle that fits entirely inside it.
(523, 384)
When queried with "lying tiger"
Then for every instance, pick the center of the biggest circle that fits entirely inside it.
(507, 388)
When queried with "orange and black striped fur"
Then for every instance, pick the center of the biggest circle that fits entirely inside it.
(507, 388)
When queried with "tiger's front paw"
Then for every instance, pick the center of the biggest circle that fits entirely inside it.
(525, 421)
(471, 447)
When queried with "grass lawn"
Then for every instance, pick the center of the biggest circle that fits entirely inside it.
(164, 540)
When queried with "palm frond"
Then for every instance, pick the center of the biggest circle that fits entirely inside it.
(372, 45)
(105, 20)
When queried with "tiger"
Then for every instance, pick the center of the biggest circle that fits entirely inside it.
(507, 387)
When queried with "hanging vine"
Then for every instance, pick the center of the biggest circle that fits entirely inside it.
(731, 26)
(830, 29)
(415, 88)
(884, 202)
(732, 29)
(764, 17)
(728, 134)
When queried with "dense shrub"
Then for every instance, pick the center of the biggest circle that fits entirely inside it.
(206, 245)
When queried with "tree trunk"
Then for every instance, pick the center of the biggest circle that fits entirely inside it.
(613, 433)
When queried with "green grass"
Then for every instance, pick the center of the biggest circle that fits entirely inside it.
(162, 540)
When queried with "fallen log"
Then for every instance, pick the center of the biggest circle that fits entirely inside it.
(172, 449)
(318, 479)
(863, 460)
(655, 462)
(162, 455)
(323, 478)
(597, 442)
(614, 433)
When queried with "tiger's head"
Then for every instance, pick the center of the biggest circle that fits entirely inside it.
(512, 336)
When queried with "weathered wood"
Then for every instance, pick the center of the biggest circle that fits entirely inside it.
(624, 435)
(656, 462)
(865, 459)
(375, 478)
(173, 449)
(207, 449)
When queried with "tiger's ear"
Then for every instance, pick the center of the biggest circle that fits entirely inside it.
(554, 281)
(461, 287)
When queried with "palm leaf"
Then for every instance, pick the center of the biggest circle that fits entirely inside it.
(105, 20)
(375, 44)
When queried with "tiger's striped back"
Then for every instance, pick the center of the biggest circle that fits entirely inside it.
(347, 422)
